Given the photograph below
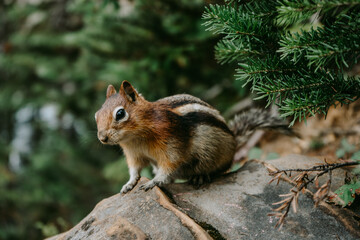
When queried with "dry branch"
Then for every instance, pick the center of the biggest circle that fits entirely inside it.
(301, 182)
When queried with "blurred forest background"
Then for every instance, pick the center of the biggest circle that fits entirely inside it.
(56, 59)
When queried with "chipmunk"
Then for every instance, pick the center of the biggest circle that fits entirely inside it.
(181, 136)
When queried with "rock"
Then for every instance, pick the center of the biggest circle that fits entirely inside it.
(136, 215)
(234, 206)
(237, 206)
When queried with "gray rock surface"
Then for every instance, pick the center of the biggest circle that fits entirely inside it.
(136, 215)
(234, 206)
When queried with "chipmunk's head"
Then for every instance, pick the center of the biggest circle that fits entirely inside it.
(115, 119)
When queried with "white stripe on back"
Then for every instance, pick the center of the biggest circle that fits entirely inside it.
(196, 107)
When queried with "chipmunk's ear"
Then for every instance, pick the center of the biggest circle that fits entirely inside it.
(129, 91)
(110, 91)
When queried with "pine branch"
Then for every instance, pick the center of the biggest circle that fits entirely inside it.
(262, 9)
(303, 73)
(301, 106)
(291, 12)
(309, 93)
(227, 51)
(298, 92)
(330, 47)
(262, 69)
(234, 23)
(294, 45)
(220, 20)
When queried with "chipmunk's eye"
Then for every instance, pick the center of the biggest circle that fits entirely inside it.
(120, 114)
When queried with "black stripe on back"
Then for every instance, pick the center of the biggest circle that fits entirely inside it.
(197, 118)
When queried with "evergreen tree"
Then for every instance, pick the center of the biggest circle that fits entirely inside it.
(298, 54)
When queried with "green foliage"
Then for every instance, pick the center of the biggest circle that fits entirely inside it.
(292, 12)
(56, 60)
(272, 156)
(348, 192)
(47, 230)
(345, 148)
(319, 46)
(356, 170)
(111, 170)
(302, 69)
(317, 144)
(356, 156)
(235, 167)
(255, 153)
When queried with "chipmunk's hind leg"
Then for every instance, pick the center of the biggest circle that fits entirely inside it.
(199, 180)
(213, 149)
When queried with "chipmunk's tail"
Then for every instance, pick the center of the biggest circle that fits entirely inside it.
(244, 124)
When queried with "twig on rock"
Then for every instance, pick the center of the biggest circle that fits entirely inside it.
(325, 167)
(301, 181)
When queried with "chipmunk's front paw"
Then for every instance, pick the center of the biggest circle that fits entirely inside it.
(127, 187)
(149, 185)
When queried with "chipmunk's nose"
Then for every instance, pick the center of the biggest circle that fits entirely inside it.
(103, 137)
